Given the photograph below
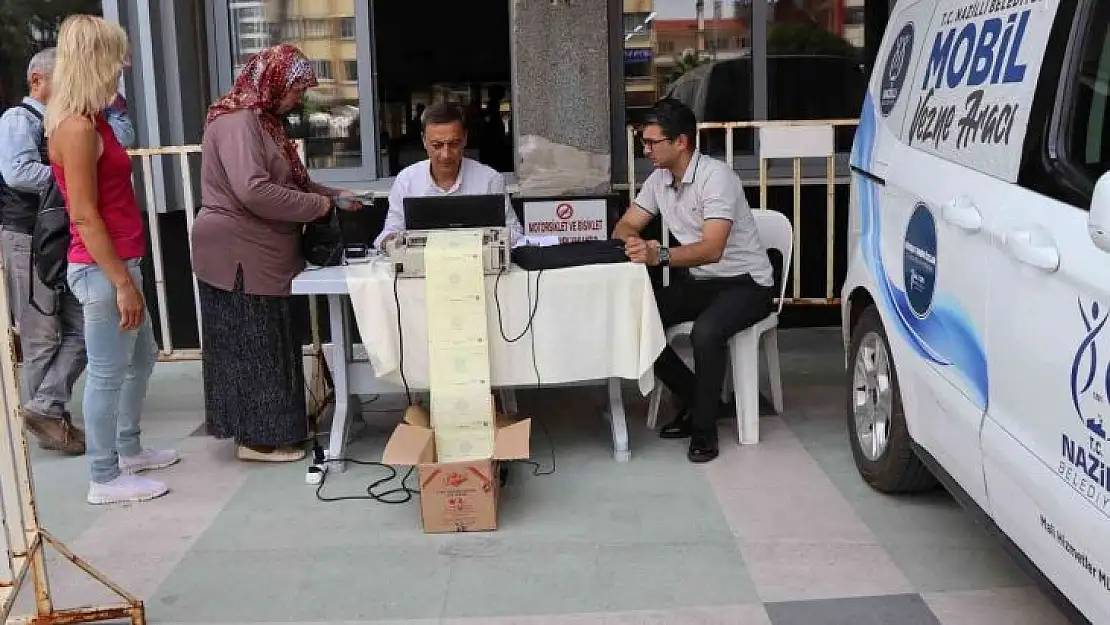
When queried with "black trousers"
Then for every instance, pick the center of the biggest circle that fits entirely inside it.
(719, 308)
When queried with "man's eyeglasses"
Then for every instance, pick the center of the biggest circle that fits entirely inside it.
(651, 143)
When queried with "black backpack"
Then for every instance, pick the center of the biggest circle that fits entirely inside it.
(50, 246)
(50, 236)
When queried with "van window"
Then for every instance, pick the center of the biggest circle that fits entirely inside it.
(1087, 146)
(1081, 153)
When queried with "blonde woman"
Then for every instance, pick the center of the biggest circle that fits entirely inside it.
(93, 172)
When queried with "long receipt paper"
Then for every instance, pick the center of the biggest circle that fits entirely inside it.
(458, 346)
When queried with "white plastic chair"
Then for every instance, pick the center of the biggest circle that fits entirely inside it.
(776, 233)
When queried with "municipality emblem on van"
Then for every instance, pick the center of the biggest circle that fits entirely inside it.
(897, 66)
(1082, 463)
(1090, 376)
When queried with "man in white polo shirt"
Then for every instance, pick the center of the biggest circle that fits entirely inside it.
(444, 172)
(730, 282)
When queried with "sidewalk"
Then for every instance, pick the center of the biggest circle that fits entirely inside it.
(784, 533)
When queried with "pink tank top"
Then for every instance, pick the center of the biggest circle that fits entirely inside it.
(116, 201)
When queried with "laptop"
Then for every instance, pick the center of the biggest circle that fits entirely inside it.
(439, 212)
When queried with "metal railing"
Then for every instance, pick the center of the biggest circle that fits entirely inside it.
(146, 158)
(803, 151)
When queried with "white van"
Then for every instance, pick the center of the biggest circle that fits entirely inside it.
(978, 288)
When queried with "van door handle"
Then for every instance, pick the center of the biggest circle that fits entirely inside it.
(1042, 255)
(962, 213)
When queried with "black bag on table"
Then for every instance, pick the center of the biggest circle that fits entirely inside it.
(322, 241)
(575, 254)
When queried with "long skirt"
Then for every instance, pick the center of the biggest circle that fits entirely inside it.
(254, 390)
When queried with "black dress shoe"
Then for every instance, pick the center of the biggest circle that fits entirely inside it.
(678, 428)
(702, 450)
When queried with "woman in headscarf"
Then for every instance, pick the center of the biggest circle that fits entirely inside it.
(256, 196)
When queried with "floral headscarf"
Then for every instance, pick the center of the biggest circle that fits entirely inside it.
(262, 84)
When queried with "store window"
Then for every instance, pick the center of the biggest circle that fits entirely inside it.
(815, 47)
(703, 53)
(430, 51)
(329, 121)
(673, 49)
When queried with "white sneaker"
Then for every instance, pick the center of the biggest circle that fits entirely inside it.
(126, 488)
(148, 460)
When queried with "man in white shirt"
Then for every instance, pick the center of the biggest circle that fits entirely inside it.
(444, 172)
(730, 281)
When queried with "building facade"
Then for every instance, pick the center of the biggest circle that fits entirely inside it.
(549, 86)
(567, 75)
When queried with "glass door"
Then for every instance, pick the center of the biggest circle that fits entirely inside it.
(337, 36)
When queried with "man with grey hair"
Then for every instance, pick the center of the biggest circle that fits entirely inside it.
(51, 327)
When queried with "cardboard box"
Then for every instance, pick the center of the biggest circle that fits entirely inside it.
(456, 496)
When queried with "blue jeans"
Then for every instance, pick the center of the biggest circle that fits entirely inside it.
(119, 368)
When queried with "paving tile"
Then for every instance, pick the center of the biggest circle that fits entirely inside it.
(818, 514)
(275, 507)
(572, 579)
(1012, 606)
(783, 465)
(716, 615)
(420, 621)
(61, 484)
(139, 545)
(590, 500)
(288, 583)
(537, 579)
(136, 573)
(792, 571)
(650, 575)
(656, 540)
(678, 517)
(929, 536)
(900, 609)
(200, 486)
(799, 538)
(939, 568)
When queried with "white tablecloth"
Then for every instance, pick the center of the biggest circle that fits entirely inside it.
(591, 323)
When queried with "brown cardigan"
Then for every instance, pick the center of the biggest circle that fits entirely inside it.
(252, 212)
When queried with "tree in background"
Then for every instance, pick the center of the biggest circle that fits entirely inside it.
(684, 62)
(805, 38)
(27, 26)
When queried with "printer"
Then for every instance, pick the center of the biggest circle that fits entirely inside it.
(405, 252)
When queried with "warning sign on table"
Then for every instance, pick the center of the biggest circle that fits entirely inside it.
(570, 220)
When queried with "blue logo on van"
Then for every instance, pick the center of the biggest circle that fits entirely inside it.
(1090, 383)
(897, 66)
(919, 260)
(1083, 458)
(946, 336)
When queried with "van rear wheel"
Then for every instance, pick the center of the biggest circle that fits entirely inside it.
(881, 443)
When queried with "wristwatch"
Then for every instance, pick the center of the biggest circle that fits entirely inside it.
(664, 256)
